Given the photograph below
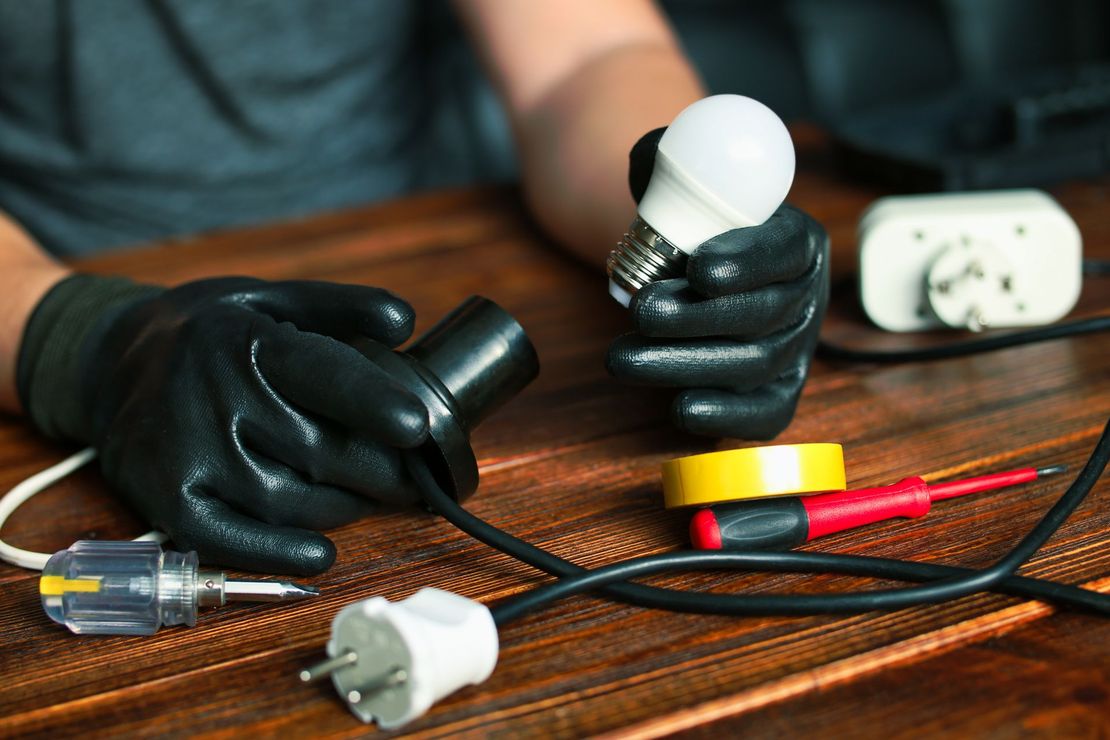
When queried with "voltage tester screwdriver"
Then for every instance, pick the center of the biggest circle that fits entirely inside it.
(782, 523)
(133, 588)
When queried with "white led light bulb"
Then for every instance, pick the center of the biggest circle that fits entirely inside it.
(725, 162)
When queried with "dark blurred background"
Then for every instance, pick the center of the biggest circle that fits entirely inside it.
(927, 94)
(124, 121)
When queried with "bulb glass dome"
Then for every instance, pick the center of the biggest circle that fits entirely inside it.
(727, 161)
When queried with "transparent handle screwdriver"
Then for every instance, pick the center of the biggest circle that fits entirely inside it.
(133, 588)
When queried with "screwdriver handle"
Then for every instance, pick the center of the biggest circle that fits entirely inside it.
(767, 524)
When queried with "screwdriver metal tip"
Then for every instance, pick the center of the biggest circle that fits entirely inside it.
(1051, 470)
(267, 591)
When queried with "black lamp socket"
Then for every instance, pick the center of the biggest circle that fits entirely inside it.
(464, 368)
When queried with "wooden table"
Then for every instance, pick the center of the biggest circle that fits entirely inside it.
(573, 465)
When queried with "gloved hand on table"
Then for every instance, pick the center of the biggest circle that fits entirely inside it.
(737, 334)
(229, 412)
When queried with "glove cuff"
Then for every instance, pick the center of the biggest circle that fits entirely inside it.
(49, 378)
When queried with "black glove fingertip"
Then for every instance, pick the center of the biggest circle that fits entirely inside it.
(695, 413)
(306, 554)
(312, 556)
(641, 162)
(689, 413)
(224, 536)
(778, 250)
(393, 320)
(716, 268)
(761, 414)
(410, 423)
(620, 354)
(656, 306)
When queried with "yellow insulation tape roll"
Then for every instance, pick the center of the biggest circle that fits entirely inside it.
(754, 472)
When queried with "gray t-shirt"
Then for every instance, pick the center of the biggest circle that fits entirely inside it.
(128, 120)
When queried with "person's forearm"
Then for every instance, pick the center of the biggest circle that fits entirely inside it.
(582, 81)
(26, 274)
(574, 142)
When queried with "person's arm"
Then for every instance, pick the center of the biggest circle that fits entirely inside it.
(582, 80)
(26, 274)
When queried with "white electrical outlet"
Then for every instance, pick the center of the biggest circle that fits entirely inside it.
(1002, 258)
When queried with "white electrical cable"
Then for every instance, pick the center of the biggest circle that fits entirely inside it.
(14, 498)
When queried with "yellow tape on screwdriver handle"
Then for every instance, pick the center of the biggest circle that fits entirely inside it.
(751, 473)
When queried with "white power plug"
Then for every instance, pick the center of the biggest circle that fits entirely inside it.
(968, 260)
(390, 661)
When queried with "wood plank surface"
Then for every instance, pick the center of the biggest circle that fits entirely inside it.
(572, 465)
(1049, 678)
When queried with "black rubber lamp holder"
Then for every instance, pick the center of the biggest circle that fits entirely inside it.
(464, 368)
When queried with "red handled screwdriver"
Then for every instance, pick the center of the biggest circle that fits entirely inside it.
(782, 523)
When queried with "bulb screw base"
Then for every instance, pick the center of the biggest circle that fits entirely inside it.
(643, 256)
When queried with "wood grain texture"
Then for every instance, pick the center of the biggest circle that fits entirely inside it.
(1049, 678)
(572, 465)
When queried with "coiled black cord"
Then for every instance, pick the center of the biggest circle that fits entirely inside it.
(828, 351)
(942, 583)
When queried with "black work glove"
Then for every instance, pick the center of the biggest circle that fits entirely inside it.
(229, 412)
(737, 334)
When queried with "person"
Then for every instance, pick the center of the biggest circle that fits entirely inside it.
(125, 121)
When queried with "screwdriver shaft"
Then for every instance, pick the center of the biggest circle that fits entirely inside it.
(267, 591)
(952, 489)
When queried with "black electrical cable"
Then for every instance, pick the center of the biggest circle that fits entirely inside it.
(1096, 268)
(774, 604)
(828, 351)
(726, 604)
(947, 582)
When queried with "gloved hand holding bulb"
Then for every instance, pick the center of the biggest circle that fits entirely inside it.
(726, 162)
(727, 287)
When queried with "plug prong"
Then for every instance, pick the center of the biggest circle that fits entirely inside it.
(393, 677)
(327, 667)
